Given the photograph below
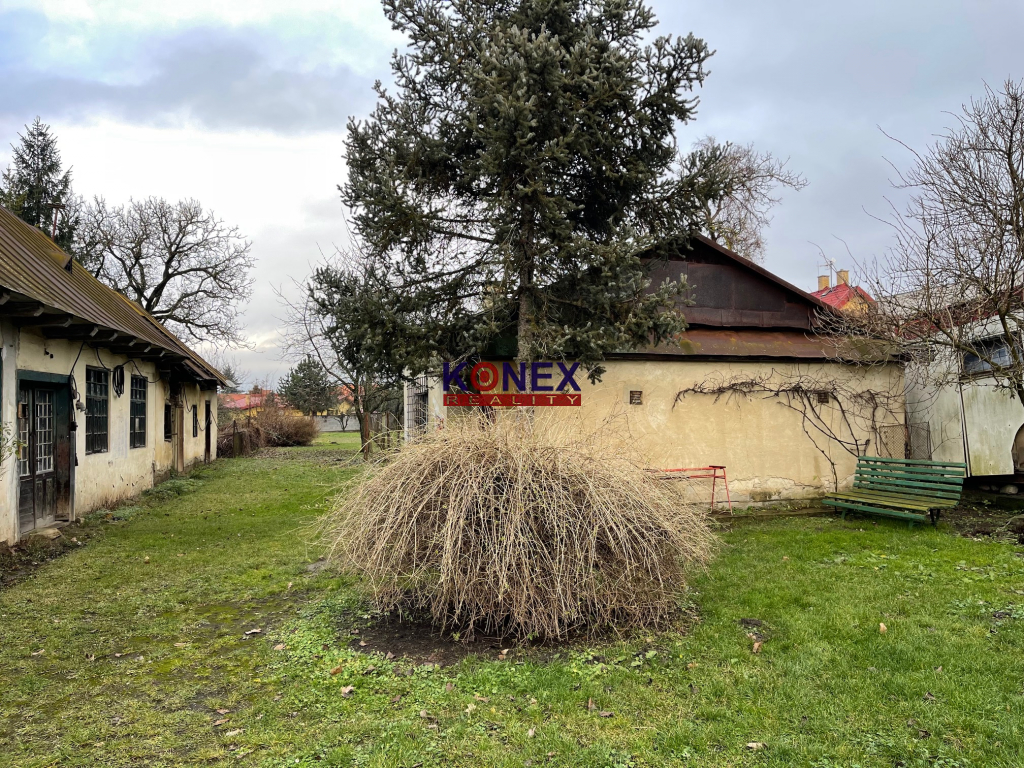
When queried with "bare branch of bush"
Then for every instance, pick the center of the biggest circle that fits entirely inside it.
(521, 528)
(950, 291)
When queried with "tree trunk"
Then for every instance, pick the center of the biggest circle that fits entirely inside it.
(364, 427)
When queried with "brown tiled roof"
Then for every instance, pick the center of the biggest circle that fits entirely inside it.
(33, 266)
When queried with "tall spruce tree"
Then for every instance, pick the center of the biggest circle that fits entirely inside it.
(524, 162)
(37, 189)
(308, 388)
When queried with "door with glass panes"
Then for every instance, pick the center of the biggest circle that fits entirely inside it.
(37, 462)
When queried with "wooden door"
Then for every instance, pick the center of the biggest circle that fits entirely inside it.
(37, 465)
(208, 422)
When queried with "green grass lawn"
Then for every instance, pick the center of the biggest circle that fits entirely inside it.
(110, 659)
(342, 440)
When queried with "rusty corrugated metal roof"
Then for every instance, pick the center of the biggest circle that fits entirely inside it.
(757, 343)
(31, 264)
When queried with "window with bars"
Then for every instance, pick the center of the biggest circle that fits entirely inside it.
(168, 422)
(137, 413)
(97, 409)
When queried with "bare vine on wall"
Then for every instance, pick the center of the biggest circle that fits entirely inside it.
(832, 412)
(9, 442)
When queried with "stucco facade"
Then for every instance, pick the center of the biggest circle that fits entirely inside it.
(777, 441)
(101, 478)
(105, 401)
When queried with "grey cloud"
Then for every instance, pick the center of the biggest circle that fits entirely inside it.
(217, 79)
(816, 81)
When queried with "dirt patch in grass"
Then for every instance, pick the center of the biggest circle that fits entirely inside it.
(418, 640)
(986, 515)
(18, 562)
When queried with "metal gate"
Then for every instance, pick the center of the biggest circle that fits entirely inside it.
(416, 406)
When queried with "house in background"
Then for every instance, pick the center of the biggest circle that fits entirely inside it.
(104, 400)
(755, 384)
(842, 295)
(969, 420)
(242, 404)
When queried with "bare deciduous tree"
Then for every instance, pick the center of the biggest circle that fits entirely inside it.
(952, 287)
(737, 213)
(178, 261)
(341, 322)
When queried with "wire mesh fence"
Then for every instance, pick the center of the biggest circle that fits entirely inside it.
(905, 441)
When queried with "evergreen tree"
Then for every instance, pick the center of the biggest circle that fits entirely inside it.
(234, 385)
(525, 162)
(308, 388)
(37, 189)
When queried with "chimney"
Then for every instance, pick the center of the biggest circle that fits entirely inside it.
(843, 277)
(823, 282)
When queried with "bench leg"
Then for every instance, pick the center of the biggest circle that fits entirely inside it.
(843, 516)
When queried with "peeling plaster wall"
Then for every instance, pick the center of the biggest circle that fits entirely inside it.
(8, 415)
(104, 478)
(195, 446)
(767, 453)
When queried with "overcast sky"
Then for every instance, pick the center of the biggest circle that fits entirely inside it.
(242, 104)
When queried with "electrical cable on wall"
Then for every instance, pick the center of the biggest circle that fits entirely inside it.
(195, 409)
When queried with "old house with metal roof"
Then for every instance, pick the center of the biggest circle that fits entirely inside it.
(102, 400)
(756, 385)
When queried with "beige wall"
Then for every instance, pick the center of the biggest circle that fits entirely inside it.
(8, 415)
(195, 446)
(771, 452)
(101, 479)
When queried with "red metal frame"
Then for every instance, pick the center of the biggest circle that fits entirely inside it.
(717, 472)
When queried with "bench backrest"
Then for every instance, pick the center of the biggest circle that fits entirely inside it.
(911, 477)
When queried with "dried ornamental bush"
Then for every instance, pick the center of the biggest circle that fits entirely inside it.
(519, 527)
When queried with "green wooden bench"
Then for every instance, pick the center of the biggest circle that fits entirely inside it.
(909, 489)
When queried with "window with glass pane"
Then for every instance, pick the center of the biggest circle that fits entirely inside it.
(168, 424)
(989, 352)
(137, 415)
(97, 408)
(23, 430)
(44, 431)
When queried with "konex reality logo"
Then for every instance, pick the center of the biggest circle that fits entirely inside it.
(514, 384)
